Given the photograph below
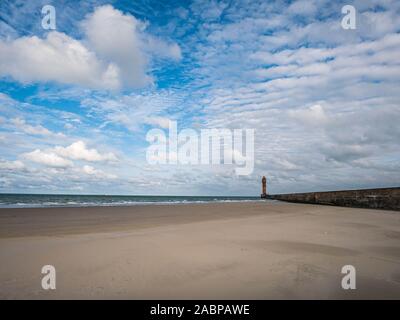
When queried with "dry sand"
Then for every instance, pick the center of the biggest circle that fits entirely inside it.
(258, 250)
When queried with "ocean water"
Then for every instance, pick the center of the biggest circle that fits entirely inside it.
(51, 200)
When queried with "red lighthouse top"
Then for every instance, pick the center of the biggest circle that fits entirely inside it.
(264, 187)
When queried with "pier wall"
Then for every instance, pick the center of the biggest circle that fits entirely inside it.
(382, 198)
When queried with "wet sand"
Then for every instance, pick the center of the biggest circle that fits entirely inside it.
(250, 250)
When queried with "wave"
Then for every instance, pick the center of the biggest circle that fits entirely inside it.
(43, 201)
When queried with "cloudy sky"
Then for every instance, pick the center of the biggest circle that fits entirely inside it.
(76, 102)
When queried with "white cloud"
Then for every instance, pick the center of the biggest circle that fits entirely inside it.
(312, 116)
(11, 165)
(302, 7)
(47, 158)
(114, 54)
(60, 157)
(163, 49)
(132, 111)
(344, 153)
(158, 121)
(79, 151)
(56, 58)
(97, 173)
(34, 130)
(117, 37)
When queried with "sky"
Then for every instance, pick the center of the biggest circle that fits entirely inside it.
(77, 102)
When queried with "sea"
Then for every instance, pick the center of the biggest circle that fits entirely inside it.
(65, 200)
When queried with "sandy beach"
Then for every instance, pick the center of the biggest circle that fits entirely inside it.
(248, 250)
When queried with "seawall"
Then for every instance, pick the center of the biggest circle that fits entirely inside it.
(382, 198)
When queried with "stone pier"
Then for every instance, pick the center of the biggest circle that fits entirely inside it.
(382, 198)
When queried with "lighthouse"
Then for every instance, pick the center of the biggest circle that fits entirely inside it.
(264, 187)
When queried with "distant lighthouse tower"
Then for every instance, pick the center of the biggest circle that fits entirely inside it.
(264, 187)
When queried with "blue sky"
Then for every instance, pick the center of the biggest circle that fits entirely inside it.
(76, 102)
